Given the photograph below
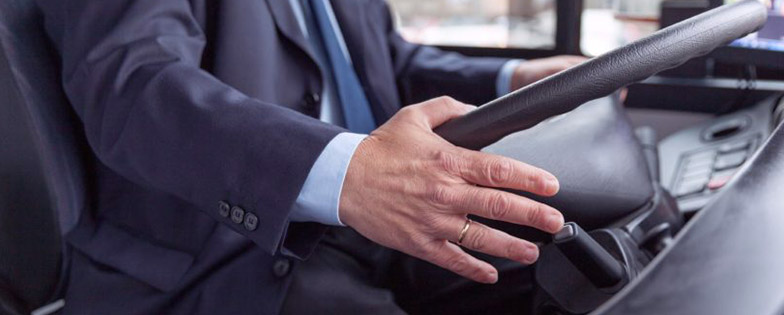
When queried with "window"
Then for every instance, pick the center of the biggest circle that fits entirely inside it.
(478, 23)
(609, 24)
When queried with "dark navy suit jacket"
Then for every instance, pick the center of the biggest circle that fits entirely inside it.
(190, 104)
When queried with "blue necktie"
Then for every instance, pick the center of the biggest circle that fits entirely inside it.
(356, 109)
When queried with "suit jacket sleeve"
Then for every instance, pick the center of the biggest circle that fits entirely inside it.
(131, 71)
(424, 72)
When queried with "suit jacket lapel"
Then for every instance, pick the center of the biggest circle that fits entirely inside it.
(288, 26)
(351, 17)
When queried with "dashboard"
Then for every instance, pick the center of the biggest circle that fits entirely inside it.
(699, 161)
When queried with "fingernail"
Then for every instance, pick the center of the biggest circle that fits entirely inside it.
(555, 221)
(552, 184)
(492, 277)
(532, 254)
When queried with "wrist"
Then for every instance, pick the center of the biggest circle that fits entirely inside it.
(348, 203)
(319, 197)
(521, 77)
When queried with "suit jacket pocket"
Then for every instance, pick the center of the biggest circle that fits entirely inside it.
(156, 265)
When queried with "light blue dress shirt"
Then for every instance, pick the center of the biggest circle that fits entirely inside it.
(319, 199)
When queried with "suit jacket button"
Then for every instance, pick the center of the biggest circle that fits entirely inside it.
(223, 208)
(251, 221)
(281, 267)
(310, 102)
(311, 99)
(237, 214)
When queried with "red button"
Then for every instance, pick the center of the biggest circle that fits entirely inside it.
(716, 183)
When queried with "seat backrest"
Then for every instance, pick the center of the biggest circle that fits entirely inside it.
(29, 242)
(42, 160)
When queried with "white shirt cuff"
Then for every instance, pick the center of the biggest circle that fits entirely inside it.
(503, 81)
(319, 199)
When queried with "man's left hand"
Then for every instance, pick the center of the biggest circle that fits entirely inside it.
(536, 69)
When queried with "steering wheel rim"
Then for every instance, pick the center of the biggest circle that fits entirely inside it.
(600, 76)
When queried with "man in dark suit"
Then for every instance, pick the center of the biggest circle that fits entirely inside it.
(229, 135)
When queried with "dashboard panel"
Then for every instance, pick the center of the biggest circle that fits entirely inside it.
(698, 162)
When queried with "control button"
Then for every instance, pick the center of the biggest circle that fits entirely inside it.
(705, 156)
(223, 208)
(237, 214)
(698, 173)
(731, 160)
(700, 168)
(565, 233)
(724, 173)
(695, 181)
(692, 186)
(698, 163)
(693, 204)
(720, 179)
(717, 183)
(251, 221)
(734, 146)
(689, 188)
(311, 100)
(281, 267)
(702, 171)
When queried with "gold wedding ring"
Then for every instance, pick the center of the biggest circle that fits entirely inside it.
(463, 231)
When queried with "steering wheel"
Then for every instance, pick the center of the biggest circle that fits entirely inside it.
(565, 92)
(593, 151)
(600, 76)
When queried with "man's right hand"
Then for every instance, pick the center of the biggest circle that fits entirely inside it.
(408, 189)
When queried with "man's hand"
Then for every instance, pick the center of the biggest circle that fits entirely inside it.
(408, 189)
(534, 70)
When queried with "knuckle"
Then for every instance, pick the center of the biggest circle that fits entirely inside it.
(431, 223)
(478, 240)
(536, 179)
(535, 214)
(448, 162)
(511, 251)
(442, 195)
(417, 247)
(445, 100)
(459, 265)
(532, 181)
(408, 111)
(413, 112)
(499, 205)
(418, 251)
(522, 251)
(539, 181)
(498, 171)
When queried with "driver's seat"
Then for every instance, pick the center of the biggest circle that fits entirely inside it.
(43, 186)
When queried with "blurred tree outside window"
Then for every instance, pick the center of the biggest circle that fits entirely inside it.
(477, 23)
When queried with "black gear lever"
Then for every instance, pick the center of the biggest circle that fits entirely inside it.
(588, 256)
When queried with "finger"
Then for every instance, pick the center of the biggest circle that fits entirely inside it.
(572, 59)
(502, 172)
(442, 109)
(482, 238)
(623, 94)
(449, 256)
(508, 207)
